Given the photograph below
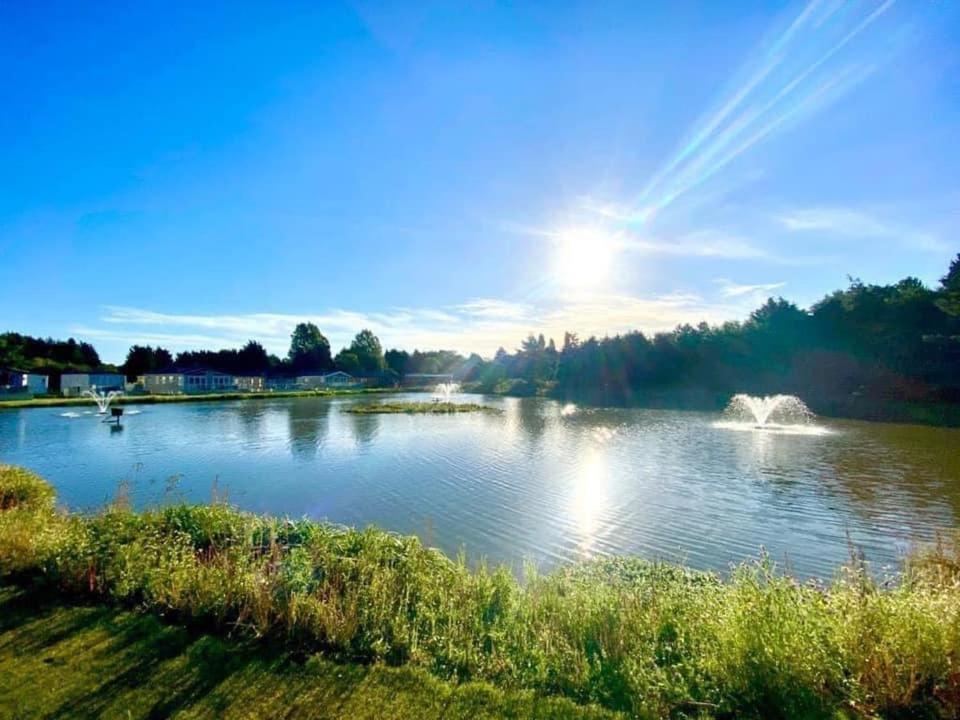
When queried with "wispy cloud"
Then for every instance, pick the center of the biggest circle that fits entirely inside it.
(489, 308)
(700, 243)
(840, 223)
(480, 325)
(730, 289)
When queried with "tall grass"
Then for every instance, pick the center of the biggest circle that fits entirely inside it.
(652, 639)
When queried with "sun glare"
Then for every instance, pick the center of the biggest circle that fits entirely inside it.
(584, 257)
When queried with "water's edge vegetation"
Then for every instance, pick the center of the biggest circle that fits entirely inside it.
(648, 638)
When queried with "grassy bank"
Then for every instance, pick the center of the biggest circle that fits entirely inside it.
(63, 659)
(422, 408)
(647, 639)
(190, 397)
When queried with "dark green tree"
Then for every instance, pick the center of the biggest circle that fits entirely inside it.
(366, 347)
(397, 360)
(348, 362)
(144, 358)
(253, 358)
(948, 295)
(309, 349)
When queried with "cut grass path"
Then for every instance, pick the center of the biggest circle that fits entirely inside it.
(62, 660)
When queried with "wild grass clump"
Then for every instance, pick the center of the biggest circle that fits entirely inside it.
(651, 639)
(22, 488)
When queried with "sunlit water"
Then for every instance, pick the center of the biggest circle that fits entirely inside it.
(542, 481)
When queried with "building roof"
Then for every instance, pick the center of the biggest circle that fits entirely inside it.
(174, 370)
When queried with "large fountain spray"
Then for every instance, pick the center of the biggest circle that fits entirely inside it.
(102, 399)
(776, 413)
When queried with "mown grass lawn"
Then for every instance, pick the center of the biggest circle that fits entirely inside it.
(64, 660)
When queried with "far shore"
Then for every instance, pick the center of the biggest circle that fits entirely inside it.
(189, 397)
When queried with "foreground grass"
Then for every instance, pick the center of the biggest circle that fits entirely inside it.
(191, 397)
(62, 659)
(414, 408)
(647, 639)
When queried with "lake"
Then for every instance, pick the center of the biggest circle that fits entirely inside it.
(541, 481)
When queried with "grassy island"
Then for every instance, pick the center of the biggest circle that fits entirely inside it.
(423, 408)
(235, 612)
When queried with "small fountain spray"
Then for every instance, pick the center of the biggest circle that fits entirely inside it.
(444, 391)
(101, 398)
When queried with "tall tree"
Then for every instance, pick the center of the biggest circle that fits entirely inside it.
(309, 349)
(397, 360)
(948, 296)
(347, 361)
(253, 358)
(366, 346)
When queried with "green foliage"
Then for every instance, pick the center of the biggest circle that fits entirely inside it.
(21, 488)
(309, 349)
(251, 359)
(29, 353)
(649, 639)
(368, 351)
(949, 295)
(144, 358)
(347, 361)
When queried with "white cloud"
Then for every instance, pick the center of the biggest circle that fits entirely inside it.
(701, 243)
(841, 222)
(491, 308)
(730, 289)
(480, 325)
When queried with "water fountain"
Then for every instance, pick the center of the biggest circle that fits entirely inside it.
(444, 391)
(784, 414)
(102, 399)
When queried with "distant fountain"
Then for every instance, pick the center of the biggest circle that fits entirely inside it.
(785, 414)
(102, 399)
(444, 391)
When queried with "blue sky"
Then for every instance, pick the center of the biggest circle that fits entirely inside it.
(456, 175)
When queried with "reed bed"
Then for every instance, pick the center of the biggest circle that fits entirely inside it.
(647, 638)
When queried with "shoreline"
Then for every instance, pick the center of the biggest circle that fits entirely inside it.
(186, 397)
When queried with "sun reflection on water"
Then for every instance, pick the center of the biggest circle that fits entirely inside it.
(588, 498)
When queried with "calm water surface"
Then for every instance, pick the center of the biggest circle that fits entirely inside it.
(541, 481)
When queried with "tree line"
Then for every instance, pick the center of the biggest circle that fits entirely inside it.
(309, 352)
(862, 350)
(867, 351)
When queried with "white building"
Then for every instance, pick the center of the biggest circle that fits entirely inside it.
(174, 381)
(251, 383)
(75, 384)
(315, 381)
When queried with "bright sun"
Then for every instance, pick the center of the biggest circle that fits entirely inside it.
(583, 257)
